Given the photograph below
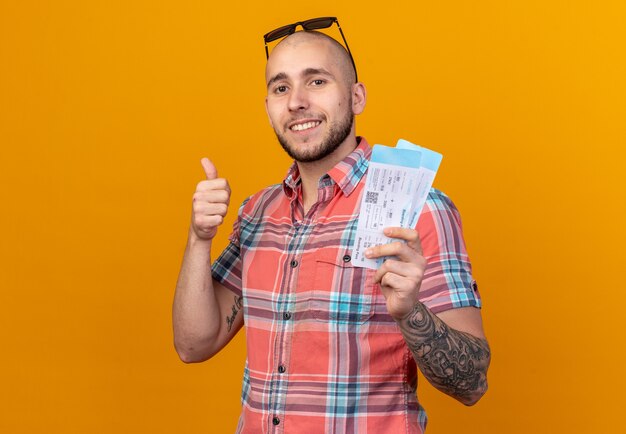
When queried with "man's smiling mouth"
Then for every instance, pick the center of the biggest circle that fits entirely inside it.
(304, 126)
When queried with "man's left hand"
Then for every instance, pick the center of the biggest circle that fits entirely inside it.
(401, 275)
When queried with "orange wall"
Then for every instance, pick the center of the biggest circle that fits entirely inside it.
(106, 108)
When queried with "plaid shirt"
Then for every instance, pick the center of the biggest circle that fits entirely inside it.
(323, 354)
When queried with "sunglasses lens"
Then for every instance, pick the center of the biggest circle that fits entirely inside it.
(279, 33)
(318, 23)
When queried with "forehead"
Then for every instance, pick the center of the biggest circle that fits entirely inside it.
(292, 57)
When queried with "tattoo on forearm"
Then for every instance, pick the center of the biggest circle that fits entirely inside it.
(230, 320)
(454, 362)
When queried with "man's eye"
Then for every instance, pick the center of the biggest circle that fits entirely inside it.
(280, 89)
(318, 82)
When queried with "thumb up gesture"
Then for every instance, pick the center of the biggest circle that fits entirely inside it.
(210, 202)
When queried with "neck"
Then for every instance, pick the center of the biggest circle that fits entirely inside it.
(310, 173)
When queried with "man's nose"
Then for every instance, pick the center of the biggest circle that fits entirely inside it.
(298, 99)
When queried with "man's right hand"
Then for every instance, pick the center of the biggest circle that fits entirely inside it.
(205, 312)
(210, 203)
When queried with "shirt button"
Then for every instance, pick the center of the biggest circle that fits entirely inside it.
(346, 258)
(294, 263)
(281, 369)
(287, 315)
(276, 421)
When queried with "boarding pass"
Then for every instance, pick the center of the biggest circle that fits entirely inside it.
(396, 187)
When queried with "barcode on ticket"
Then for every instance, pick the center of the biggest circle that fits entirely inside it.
(371, 197)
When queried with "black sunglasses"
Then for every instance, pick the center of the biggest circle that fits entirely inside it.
(312, 24)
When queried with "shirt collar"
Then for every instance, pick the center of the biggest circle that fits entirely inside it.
(346, 174)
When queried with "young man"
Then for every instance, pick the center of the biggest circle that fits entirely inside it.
(331, 347)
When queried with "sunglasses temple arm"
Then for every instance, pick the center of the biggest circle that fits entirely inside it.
(349, 52)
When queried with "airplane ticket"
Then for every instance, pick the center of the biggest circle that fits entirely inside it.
(397, 184)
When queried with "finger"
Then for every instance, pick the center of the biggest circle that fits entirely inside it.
(203, 208)
(393, 280)
(213, 185)
(413, 271)
(212, 196)
(411, 236)
(382, 270)
(209, 168)
(209, 221)
(398, 249)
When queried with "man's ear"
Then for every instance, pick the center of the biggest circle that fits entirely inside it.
(359, 98)
(267, 112)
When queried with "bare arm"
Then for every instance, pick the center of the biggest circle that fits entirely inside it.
(452, 360)
(206, 315)
(450, 350)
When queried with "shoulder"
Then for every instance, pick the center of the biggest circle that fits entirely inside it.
(254, 208)
(259, 201)
(439, 224)
(437, 202)
(438, 199)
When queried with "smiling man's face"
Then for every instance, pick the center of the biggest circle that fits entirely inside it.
(309, 100)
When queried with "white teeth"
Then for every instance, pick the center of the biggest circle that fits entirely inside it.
(305, 126)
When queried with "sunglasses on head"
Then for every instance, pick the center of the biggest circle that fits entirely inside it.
(312, 24)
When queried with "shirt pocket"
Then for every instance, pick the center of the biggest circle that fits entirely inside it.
(341, 292)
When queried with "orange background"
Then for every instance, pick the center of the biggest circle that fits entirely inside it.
(106, 108)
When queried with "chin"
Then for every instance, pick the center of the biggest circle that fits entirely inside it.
(317, 148)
